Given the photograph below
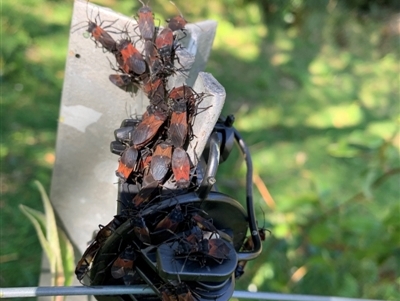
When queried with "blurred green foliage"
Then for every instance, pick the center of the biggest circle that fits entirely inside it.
(314, 86)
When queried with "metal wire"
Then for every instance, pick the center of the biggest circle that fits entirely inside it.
(290, 297)
(18, 292)
(249, 201)
(24, 292)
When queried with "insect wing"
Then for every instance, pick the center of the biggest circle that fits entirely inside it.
(164, 42)
(130, 58)
(166, 294)
(129, 157)
(181, 167)
(136, 63)
(140, 229)
(176, 93)
(204, 224)
(83, 264)
(120, 80)
(161, 161)
(178, 128)
(127, 163)
(145, 163)
(239, 271)
(106, 231)
(148, 128)
(146, 23)
(102, 37)
(150, 86)
(177, 23)
(123, 265)
(105, 39)
(149, 186)
(172, 220)
(129, 277)
(218, 248)
(183, 292)
(157, 97)
(152, 59)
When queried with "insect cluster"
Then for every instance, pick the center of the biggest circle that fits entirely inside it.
(154, 171)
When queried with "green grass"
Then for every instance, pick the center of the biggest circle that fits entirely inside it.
(316, 100)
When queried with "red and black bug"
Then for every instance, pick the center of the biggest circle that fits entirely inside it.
(99, 34)
(155, 90)
(164, 42)
(152, 58)
(103, 37)
(183, 292)
(148, 127)
(123, 265)
(261, 231)
(249, 246)
(144, 163)
(178, 128)
(151, 85)
(181, 116)
(129, 58)
(149, 187)
(203, 223)
(218, 249)
(140, 229)
(181, 92)
(171, 221)
(201, 245)
(146, 22)
(127, 163)
(239, 271)
(197, 248)
(104, 233)
(163, 65)
(83, 264)
(167, 293)
(178, 22)
(120, 80)
(181, 167)
(161, 161)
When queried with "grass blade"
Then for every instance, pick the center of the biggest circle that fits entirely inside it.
(52, 234)
(67, 256)
(38, 221)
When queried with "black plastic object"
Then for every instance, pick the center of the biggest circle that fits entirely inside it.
(170, 268)
(156, 264)
(226, 138)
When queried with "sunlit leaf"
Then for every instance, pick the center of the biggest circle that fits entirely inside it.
(364, 139)
(342, 149)
(53, 240)
(67, 257)
(336, 117)
(38, 220)
(52, 233)
(384, 129)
